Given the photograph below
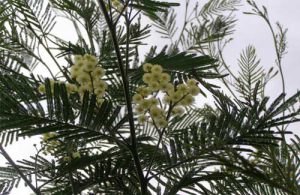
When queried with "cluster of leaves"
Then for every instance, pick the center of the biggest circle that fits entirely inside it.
(235, 147)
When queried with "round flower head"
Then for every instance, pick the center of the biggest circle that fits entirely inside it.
(143, 90)
(91, 59)
(80, 63)
(89, 66)
(139, 109)
(155, 112)
(99, 92)
(154, 86)
(71, 88)
(42, 88)
(147, 78)
(100, 84)
(166, 99)
(191, 82)
(156, 68)
(153, 101)
(145, 104)
(78, 58)
(170, 88)
(194, 90)
(146, 92)
(137, 98)
(82, 89)
(161, 122)
(176, 96)
(147, 67)
(98, 72)
(74, 71)
(67, 159)
(83, 78)
(142, 119)
(187, 100)
(76, 155)
(117, 5)
(156, 76)
(182, 88)
(178, 110)
(165, 78)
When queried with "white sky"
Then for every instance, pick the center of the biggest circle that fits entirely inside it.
(249, 30)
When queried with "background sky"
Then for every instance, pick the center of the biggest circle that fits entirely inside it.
(249, 30)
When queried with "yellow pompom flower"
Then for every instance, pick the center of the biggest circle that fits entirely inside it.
(80, 63)
(166, 99)
(161, 122)
(147, 67)
(83, 78)
(99, 92)
(144, 91)
(142, 119)
(147, 78)
(76, 154)
(71, 88)
(137, 98)
(91, 58)
(78, 58)
(191, 82)
(145, 104)
(170, 88)
(176, 96)
(82, 89)
(47, 136)
(154, 86)
(165, 78)
(89, 66)
(155, 112)
(194, 90)
(98, 72)
(74, 71)
(187, 100)
(42, 88)
(178, 110)
(156, 68)
(182, 88)
(156, 76)
(117, 5)
(67, 159)
(100, 84)
(139, 109)
(153, 101)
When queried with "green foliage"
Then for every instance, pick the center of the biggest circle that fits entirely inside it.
(250, 74)
(234, 146)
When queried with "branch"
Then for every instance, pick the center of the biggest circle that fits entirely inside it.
(13, 164)
(133, 147)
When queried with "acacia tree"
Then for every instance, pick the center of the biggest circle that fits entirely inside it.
(115, 121)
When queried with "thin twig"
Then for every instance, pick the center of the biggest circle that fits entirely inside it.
(13, 164)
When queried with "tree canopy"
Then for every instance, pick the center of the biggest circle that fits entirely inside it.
(114, 119)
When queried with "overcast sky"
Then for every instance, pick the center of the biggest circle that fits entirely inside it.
(249, 30)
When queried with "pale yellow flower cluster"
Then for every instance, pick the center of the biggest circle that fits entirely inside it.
(148, 102)
(74, 155)
(71, 88)
(117, 4)
(88, 75)
(50, 145)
